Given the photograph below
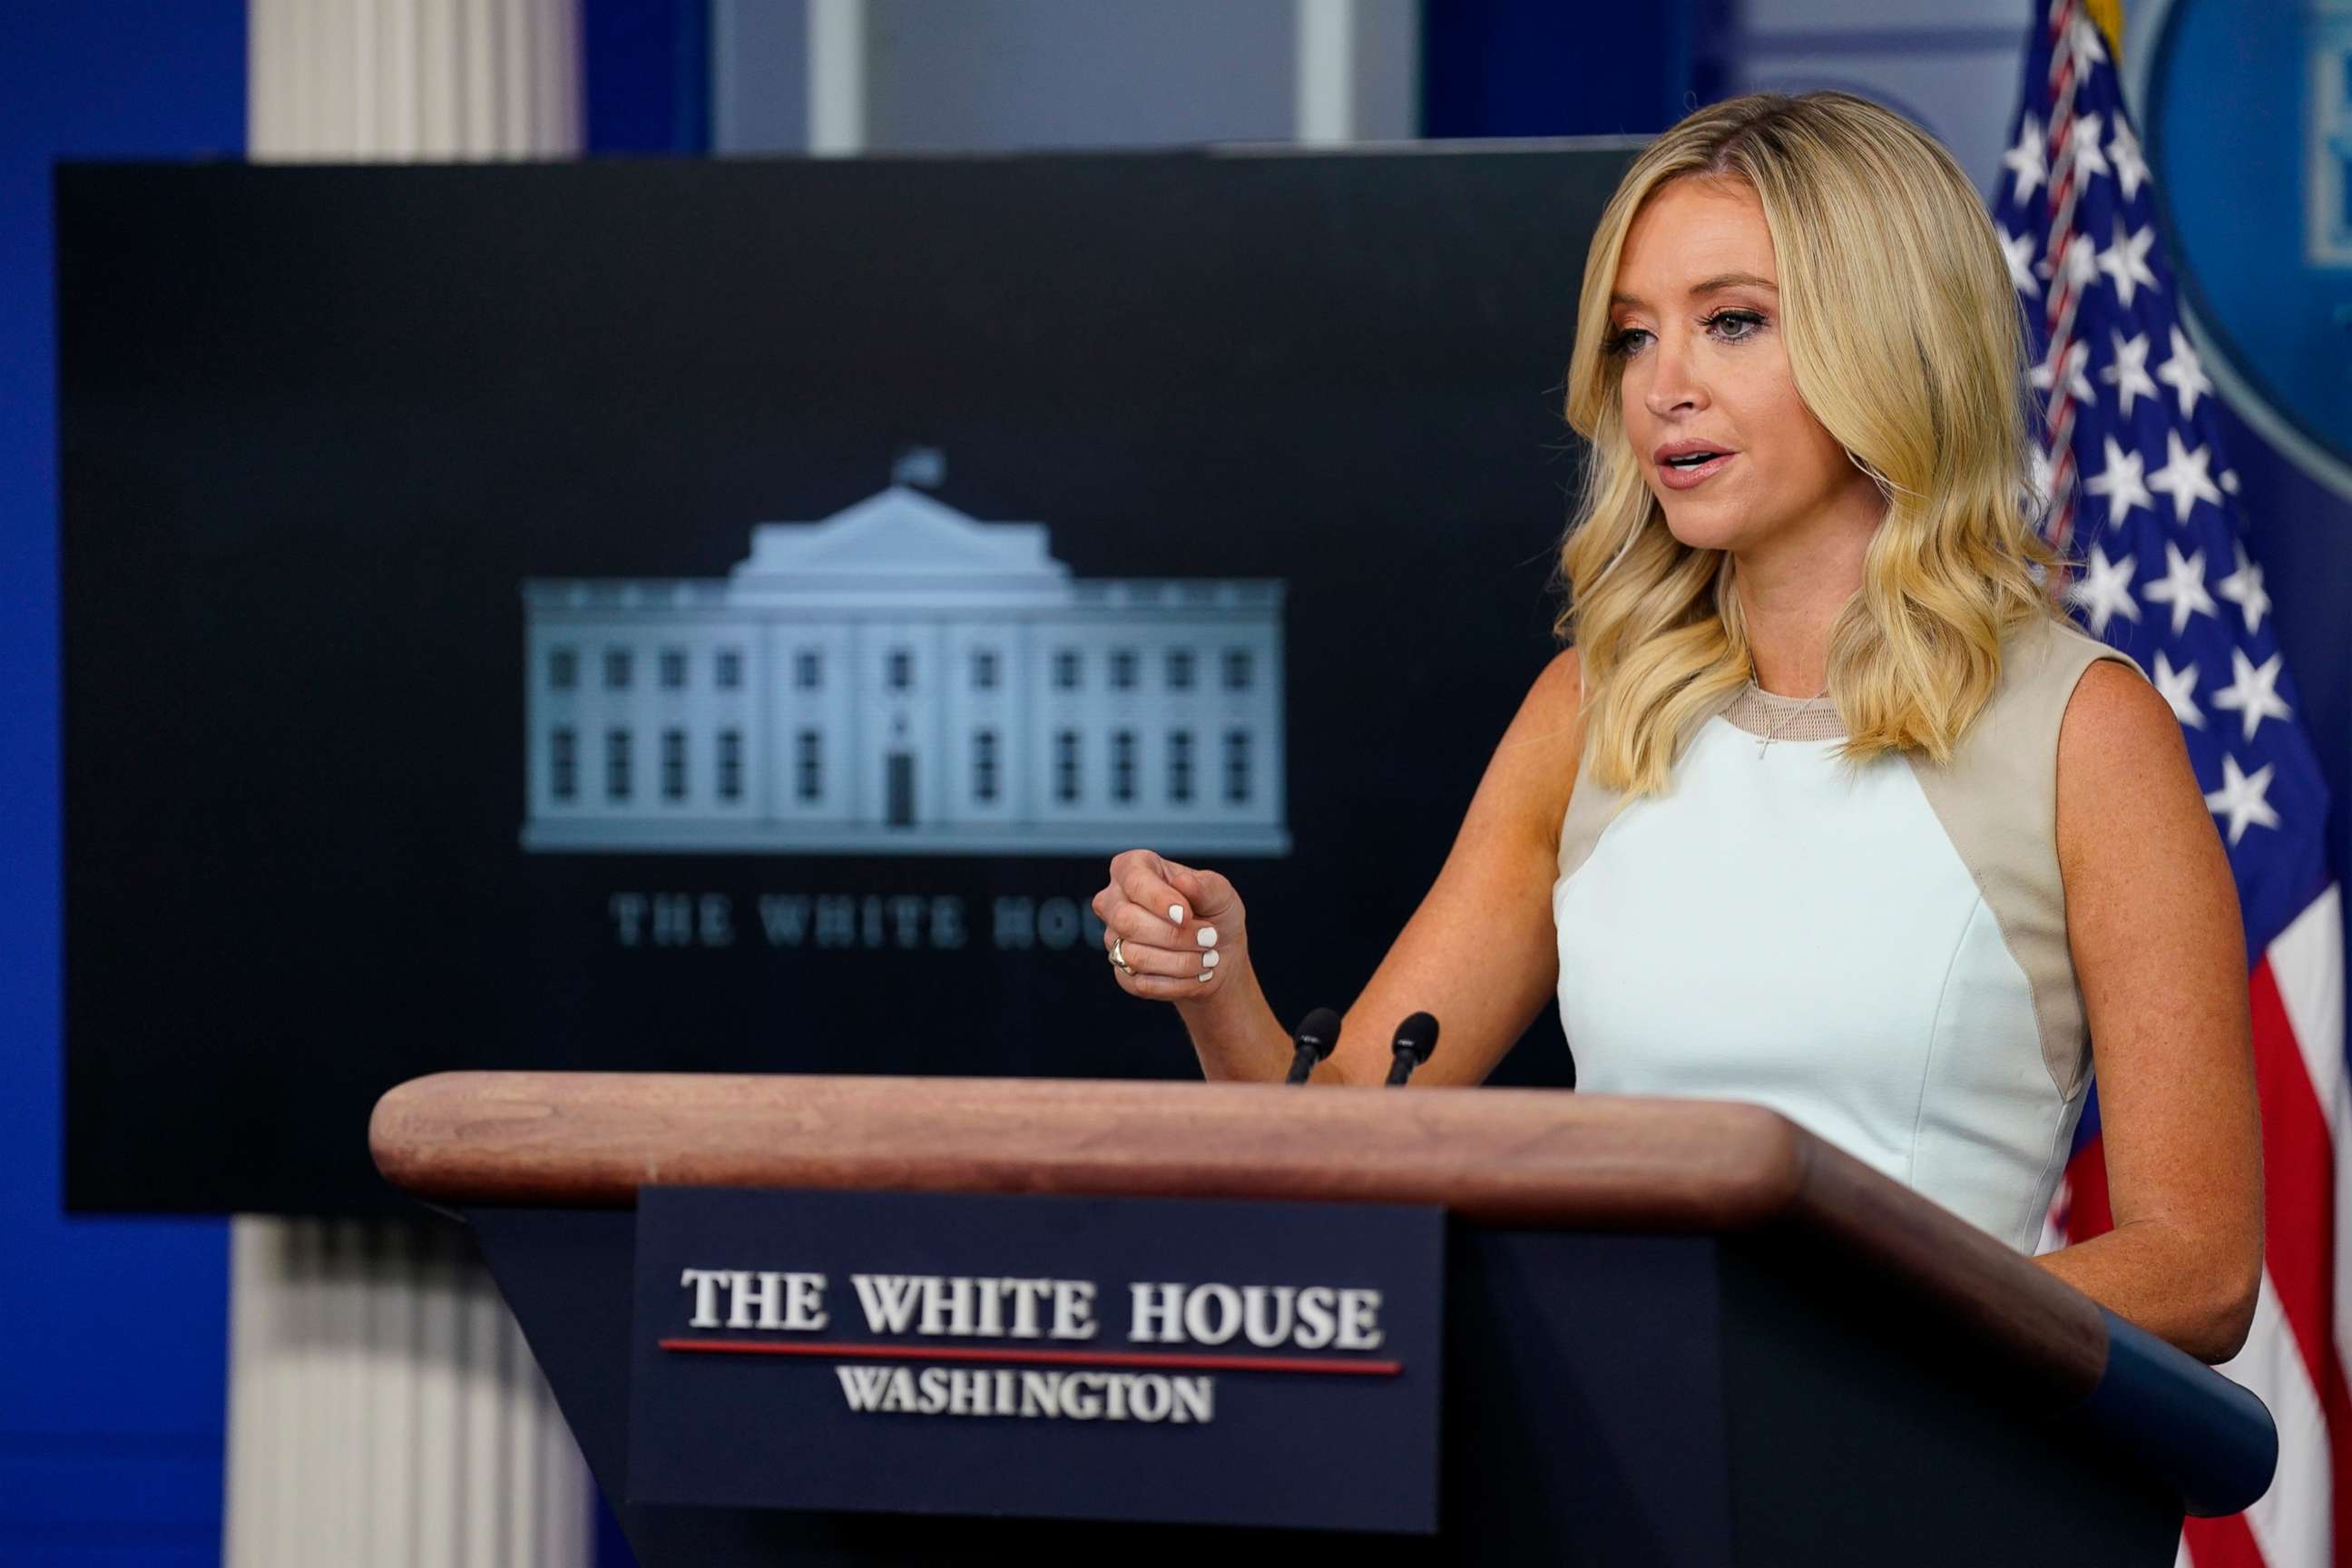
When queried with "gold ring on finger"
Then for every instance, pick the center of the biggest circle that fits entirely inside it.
(1119, 956)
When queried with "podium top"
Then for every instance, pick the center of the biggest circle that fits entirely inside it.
(1531, 1159)
(1516, 1159)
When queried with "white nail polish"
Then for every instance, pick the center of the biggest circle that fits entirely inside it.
(1207, 936)
(1176, 914)
(1209, 959)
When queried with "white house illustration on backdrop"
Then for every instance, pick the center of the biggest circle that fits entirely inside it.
(902, 679)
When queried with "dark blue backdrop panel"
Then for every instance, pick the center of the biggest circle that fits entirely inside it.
(1540, 68)
(112, 1377)
(1154, 354)
(647, 70)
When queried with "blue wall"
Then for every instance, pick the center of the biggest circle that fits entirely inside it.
(113, 1334)
(1539, 68)
(646, 71)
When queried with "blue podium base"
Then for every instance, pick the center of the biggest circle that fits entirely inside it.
(1610, 1399)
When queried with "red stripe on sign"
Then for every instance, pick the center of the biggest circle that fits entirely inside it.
(2224, 1542)
(1188, 1360)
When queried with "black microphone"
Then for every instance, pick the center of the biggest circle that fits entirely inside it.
(1318, 1033)
(1416, 1037)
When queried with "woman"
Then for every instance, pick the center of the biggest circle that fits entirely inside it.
(1827, 807)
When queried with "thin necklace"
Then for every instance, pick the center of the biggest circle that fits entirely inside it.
(1784, 718)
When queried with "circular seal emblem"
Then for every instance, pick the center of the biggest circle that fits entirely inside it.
(2245, 107)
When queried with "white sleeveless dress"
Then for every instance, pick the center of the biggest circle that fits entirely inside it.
(1880, 957)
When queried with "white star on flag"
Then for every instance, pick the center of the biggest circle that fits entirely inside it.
(2083, 150)
(2017, 250)
(2026, 159)
(2183, 587)
(2253, 691)
(2128, 375)
(2104, 590)
(2179, 688)
(2121, 483)
(2078, 386)
(2183, 477)
(2241, 797)
(2126, 263)
(2082, 259)
(2131, 169)
(2243, 587)
(2184, 373)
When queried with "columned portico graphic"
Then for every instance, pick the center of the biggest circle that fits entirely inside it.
(900, 678)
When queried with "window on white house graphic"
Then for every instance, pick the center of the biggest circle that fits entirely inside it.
(727, 670)
(616, 764)
(1237, 767)
(808, 669)
(1065, 669)
(1179, 765)
(1238, 670)
(983, 765)
(563, 669)
(562, 765)
(617, 669)
(983, 669)
(2327, 155)
(808, 765)
(1180, 670)
(730, 764)
(1122, 766)
(899, 669)
(673, 668)
(673, 764)
(1065, 765)
(1122, 669)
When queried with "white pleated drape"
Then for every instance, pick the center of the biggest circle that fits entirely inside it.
(384, 1408)
(408, 80)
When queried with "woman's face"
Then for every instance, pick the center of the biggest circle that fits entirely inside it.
(1695, 320)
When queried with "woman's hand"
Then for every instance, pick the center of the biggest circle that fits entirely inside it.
(1480, 953)
(1178, 930)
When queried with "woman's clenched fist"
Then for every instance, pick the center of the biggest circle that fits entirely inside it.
(1171, 930)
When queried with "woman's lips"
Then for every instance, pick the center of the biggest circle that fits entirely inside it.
(1675, 478)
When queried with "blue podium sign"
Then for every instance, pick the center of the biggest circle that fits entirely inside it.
(1172, 1360)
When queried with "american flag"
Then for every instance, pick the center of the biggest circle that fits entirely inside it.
(2144, 505)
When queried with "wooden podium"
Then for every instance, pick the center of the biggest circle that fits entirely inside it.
(1676, 1331)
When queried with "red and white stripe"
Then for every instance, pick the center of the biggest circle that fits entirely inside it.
(2294, 1358)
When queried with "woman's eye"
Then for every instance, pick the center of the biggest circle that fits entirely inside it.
(1623, 343)
(1734, 326)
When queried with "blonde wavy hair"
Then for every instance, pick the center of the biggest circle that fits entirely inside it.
(1905, 341)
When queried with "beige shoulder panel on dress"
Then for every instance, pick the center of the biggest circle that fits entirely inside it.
(1590, 808)
(1592, 805)
(1997, 802)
